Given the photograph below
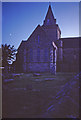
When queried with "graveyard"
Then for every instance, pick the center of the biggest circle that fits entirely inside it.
(41, 95)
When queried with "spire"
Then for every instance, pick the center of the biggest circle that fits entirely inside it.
(49, 19)
(49, 3)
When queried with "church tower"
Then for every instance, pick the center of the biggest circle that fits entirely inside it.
(49, 19)
(54, 34)
(51, 28)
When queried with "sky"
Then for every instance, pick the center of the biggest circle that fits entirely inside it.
(19, 19)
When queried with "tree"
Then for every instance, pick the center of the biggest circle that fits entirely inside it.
(0, 57)
(8, 54)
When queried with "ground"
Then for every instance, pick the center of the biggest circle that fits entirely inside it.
(41, 95)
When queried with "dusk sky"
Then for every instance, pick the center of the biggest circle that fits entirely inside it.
(19, 19)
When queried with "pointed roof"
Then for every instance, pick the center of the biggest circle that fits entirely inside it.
(49, 13)
(49, 19)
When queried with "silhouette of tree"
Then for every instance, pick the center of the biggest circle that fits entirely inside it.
(0, 57)
(8, 54)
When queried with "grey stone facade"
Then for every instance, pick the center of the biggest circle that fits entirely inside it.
(45, 50)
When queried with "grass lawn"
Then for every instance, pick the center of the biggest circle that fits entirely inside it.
(29, 96)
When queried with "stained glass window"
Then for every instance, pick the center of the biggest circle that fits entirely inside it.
(24, 55)
(48, 21)
(38, 39)
(38, 54)
(31, 54)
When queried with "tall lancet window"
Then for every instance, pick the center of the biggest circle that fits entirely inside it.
(24, 55)
(38, 39)
(31, 54)
(38, 54)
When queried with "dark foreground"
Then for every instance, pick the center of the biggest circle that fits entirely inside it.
(41, 96)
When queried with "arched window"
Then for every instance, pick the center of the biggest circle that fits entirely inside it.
(24, 55)
(31, 54)
(38, 39)
(38, 54)
(27, 55)
(48, 21)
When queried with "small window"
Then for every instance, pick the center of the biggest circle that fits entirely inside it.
(48, 21)
(37, 39)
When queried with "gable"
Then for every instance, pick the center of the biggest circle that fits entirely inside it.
(38, 38)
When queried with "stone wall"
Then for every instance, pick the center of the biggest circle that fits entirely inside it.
(45, 63)
(70, 60)
(38, 67)
(37, 54)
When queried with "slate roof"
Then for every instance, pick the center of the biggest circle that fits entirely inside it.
(49, 17)
(67, 42)
(49, 13)
(72, 42)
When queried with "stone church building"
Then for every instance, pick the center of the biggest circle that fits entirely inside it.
(46, 51)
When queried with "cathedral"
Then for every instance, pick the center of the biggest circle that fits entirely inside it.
(46, 51)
